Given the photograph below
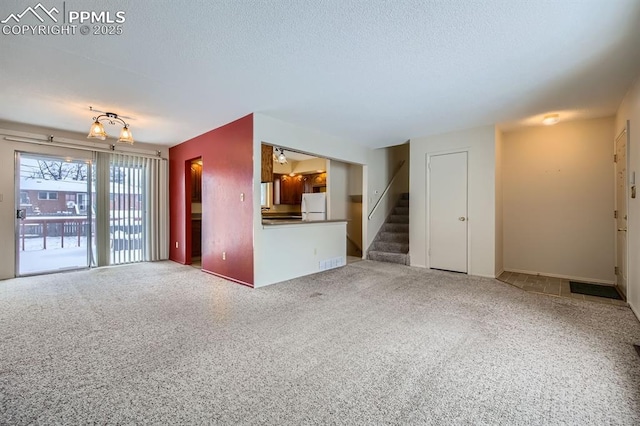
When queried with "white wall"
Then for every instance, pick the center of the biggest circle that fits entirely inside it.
(354, 226)
(7, 173)
(310, 166)
(480, 144)
(558, 200)
(630, 110)
(499, 205)
(355, 179)
(296, 250)
(378, 164)
(282, 134)
(284, 169)
(385, 163)
(376, 177)
(398, 154)
(277, 132)
(337, 190)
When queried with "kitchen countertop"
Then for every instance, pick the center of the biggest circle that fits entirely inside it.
(276, 222)
(282, 219)
(282, 216)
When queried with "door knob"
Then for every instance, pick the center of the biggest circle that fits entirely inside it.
(462, 218)
(622, 230)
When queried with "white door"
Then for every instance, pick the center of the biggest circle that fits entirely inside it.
(81, 202)
(447, 186)
(621, 208)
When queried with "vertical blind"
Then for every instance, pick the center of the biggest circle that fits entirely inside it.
(132, 217)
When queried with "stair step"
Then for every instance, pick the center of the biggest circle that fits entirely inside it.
(401, 210)
(398, 218)
(390, 247)
(392, 242)
(382, 256)
(394, 237)
(395, 227)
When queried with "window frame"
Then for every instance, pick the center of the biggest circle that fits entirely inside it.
(48, 196)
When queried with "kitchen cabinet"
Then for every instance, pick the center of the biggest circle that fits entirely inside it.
(267, 163)
(196, 182)
(314, 182)
(291, 189)
(196, 238)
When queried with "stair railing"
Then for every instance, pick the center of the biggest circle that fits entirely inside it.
(386, 190)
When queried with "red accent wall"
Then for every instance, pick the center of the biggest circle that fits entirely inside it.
(227, 222)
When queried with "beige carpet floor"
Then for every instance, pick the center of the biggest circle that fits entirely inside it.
(369, 343)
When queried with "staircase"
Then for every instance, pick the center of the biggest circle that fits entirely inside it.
(392, 242)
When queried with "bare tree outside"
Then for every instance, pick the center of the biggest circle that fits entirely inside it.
(57, 170)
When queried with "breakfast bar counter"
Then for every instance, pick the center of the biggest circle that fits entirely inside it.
(280, 222)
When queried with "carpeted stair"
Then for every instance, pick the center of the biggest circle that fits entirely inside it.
(392, 242)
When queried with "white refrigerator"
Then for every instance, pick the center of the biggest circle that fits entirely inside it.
(314, 206)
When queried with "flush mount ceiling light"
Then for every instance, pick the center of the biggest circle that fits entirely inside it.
(550, 119)
(97, 129)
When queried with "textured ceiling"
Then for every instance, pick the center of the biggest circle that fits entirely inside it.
(378, 72)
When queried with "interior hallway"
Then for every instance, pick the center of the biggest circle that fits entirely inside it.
(551, 286)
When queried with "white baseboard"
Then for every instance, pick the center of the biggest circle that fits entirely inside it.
(634, 311)
(499, 273)
(481, 275)
(565, 277)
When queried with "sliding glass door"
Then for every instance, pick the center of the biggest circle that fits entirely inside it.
(53, 214)
(132, 218)
(126, 207)
(73, 213)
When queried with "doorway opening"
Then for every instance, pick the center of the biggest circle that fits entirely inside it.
(355, 213)
(195, 180)
(620, 216)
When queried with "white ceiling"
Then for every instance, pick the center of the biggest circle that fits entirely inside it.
(378, 72)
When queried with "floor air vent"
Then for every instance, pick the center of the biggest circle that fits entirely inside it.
(598, 290)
